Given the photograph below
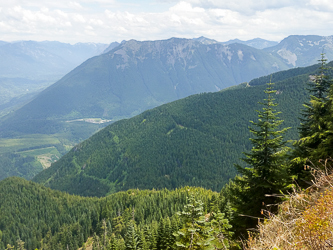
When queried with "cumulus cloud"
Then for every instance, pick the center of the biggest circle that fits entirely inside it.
(107, 21)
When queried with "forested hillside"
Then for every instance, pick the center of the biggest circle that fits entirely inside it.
(193, 141)
(46, 219)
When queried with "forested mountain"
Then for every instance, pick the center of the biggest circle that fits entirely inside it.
(48, 219)
(136, 76)
(193, 141)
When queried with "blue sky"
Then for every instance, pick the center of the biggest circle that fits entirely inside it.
(107, 21)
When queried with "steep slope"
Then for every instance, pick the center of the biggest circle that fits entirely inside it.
(193, 141)
(136, 76)
(300, 51)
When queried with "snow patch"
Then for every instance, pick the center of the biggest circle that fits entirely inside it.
(240, 55)
(275, 65)
(224, 51)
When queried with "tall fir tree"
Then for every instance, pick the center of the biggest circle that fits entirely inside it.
(132, 240)
(200, 231)
(265, 172)
(315, 123)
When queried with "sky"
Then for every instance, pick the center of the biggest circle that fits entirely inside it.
(106, 21)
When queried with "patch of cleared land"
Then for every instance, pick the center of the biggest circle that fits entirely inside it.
(91, 120)
(46, 156)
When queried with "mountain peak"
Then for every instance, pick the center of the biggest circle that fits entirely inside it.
(205, 40)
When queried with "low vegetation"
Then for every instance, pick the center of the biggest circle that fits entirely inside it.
(304, 220)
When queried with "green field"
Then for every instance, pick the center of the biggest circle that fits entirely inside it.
(27, 142)
(42, 149)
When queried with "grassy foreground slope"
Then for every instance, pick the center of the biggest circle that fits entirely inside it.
(193, 141)
(304, 221)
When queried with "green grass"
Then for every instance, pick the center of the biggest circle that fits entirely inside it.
(40, 151)
(27, 142)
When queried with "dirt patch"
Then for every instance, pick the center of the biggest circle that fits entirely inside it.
(46, 160)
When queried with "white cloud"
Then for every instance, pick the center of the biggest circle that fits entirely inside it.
(75, 5)
(78, 18)
(322, 5)
(107, 21)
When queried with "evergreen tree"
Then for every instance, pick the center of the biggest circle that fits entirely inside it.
(160, 242)
(220, 230)
(265, 171)
(105, 239)
(150, 237)
(314, 121)
(113, 243)
(131, 237)
(96, 242)
(192, 236)
(201, 231)
(118, 225)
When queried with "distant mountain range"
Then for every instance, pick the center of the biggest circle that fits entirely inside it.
(37, 60)
(27, 67)
(136, 76)
(257, 43)
(42, 63)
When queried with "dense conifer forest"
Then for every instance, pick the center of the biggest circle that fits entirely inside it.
(48, 219)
